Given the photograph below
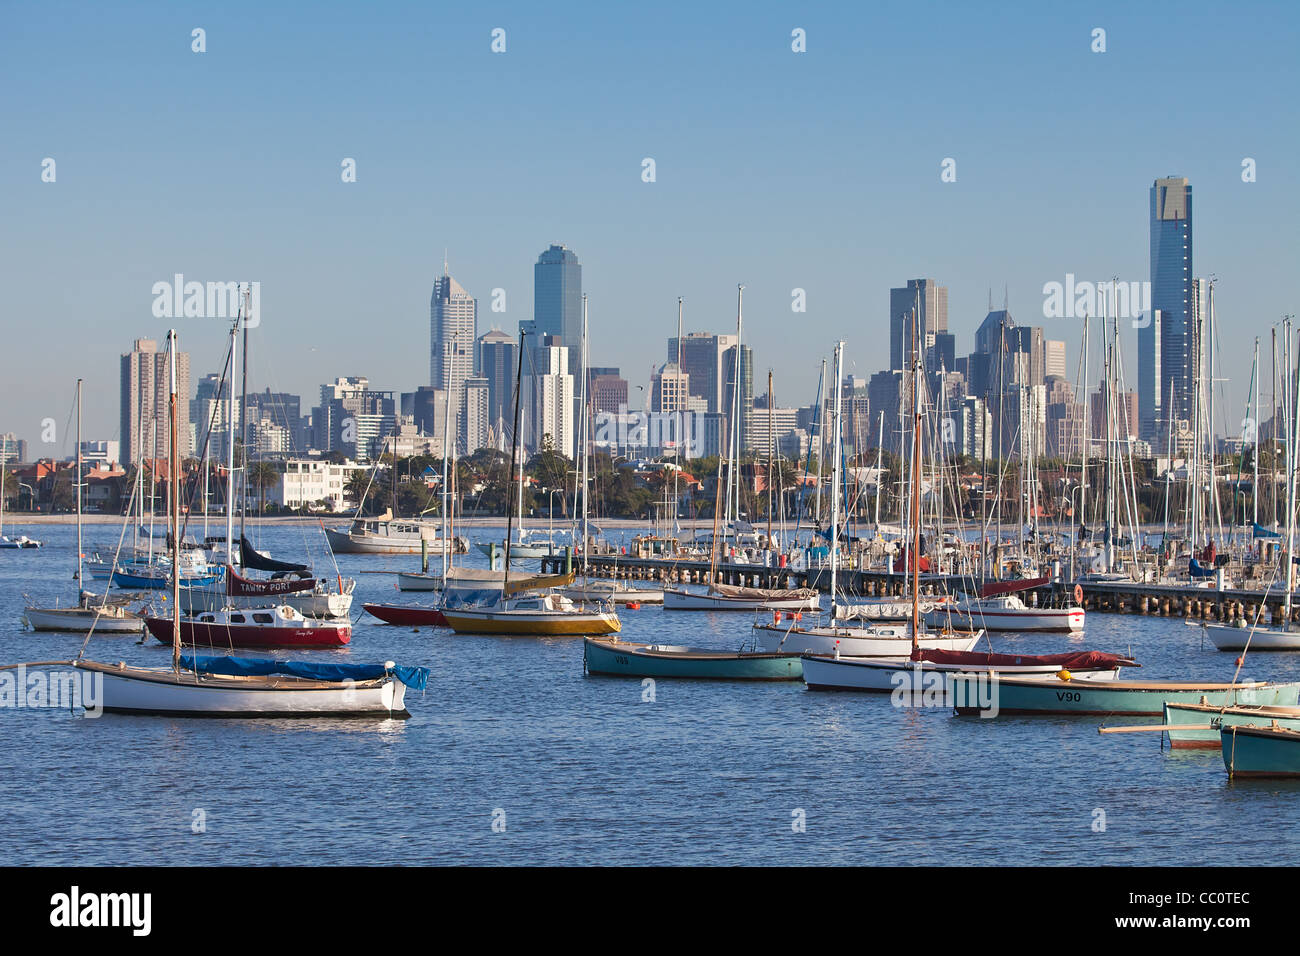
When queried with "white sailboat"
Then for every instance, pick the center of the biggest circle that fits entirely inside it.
(110, 617)
(234, 686)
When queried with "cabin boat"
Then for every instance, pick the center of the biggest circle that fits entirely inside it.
(618, 592)
(385, 535)
(539, 615)
(271, 627)
(407, 616)
(110, 618)
(1006, 612)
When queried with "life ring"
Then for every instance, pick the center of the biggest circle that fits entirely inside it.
(1078, 594)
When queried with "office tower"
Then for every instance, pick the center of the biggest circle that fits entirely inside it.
(208, 411)
(354, 419)
(1172, 294)
(932, 301)
(702, 358)
(12, 448)
(549, 394)
(1054, 359)
(1151, 402)
(475, 422)
(557, 302)
(453, 325)
(498, 362)
(746, 404)
(607, 390)
(886, 395)
(762, 440)
(426, 409)
(1065, 420)
(281, 409)
(669, 389)
(145, 384)
(1124, 416)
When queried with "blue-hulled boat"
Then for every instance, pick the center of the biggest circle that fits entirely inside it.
(627, 659)
(1260, 751)
(1197, 725)
(159, 577)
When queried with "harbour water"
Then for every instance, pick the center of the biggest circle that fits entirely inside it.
(582, 770)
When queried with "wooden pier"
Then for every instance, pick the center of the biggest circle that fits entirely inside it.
(1120, 597)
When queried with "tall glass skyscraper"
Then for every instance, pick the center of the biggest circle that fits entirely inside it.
(453, 321)
(557, 301)
(1166, 363)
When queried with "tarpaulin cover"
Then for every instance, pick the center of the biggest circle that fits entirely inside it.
(1262, 532)
(416, 678)
(762, 594)
(994, 588)
(1078, 660)
(250, 557)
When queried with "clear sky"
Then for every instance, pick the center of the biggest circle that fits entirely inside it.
(817, 170)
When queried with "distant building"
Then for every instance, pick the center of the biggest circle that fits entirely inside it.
(305, 482)
(13, 448)
(498, 361)
(354, 419)
(932, 319)
(453, 327)
(475, 421)
(1054, 359)
(145, 392)
(108, 452)
(703, 358)
(607, 390)
(1166, 363)
(549, 396)
(669, 389)
(557, 303)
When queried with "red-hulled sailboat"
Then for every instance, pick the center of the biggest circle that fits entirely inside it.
(247, 628)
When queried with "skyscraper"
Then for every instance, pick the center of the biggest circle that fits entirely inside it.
(144, 402)
(746, 388)
(557, 301)
(932, 301)
(453, 325)
(549, 393)
(497, 361)
(1172, 295)
(703, 360)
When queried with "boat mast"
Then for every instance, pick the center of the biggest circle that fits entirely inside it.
(582, 429)
(880, 450)
(835, 476)
(1291, 461)
(820, 444)
(733, 458)
(78, 489)
(243, 423)
(230, 442)
(446, 444)
(681, 400)
(514, 447)
(771, 460)
(916, 489)
(175, 494)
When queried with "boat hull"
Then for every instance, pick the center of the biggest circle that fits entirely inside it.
(596, 592)
(619, 659)
(675, 600)
(239, 636)
(530, 623)
(415, 581)
(344, 542)
(407, 616)
(126, 579)
(1235, 638)
(80, 620)
(1030, 619)
(1117, 698)
(1260, 752)
(884, 676)
(517, 550)
(885, 641)
(1206, 720)
(138, 690)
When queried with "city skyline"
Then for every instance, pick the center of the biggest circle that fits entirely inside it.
(780, 199)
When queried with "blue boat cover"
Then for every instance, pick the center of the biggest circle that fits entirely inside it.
(416, 678)
(1262, 532)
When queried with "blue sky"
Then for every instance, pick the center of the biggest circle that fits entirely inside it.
(780, 170)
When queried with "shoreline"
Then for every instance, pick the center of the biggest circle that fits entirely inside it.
(337, 520)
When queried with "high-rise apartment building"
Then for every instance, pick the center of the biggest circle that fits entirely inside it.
(453, 327)
(1165, 360)
(144, 417)
(930, 301)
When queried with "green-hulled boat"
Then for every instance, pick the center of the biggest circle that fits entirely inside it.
(627, 659)
(1260, 751)
(1197, 725)
(1115, 697)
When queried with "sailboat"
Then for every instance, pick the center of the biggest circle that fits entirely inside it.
(530, 606)
(844, 639)
(728, 597)
(1000, 608)
(106, 616)
(824, 672)
(290, 584)
(233, 686)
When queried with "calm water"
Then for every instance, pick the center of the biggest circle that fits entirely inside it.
(586, 772)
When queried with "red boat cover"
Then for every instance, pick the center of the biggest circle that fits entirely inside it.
(1076, 660)
(1008, 587)
(237, 586)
